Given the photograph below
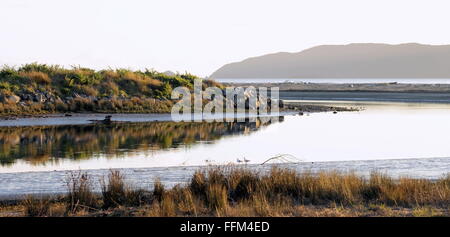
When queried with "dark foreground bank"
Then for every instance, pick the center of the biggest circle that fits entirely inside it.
(230, 191)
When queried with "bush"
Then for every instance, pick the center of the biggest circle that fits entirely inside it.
(114, 190)
(217, 197)
(168, 206)
(116, 193)
(79, 194)
(158, 190)
(36, 207)
(198, 184)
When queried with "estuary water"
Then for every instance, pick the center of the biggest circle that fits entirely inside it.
(400, 139)
(337, 80)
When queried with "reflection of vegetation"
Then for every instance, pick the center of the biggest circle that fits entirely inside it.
(39, 144)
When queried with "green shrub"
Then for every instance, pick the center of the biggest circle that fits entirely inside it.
(126, 90)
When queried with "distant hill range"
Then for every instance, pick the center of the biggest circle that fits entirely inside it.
(347, 61)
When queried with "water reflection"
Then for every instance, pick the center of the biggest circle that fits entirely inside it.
(40, 144)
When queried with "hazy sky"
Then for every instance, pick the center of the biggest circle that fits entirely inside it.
(200, 36)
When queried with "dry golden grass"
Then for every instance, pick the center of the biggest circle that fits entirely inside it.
(141, 80)
(36, 206)
(110, 74)
(38, 77)
(11, 210)
(228, 191)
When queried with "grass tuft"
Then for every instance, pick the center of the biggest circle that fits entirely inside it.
(79, 194)
(116, 193)
(36, 207)
(158, 190)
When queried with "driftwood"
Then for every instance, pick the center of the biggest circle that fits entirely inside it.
(287, 158)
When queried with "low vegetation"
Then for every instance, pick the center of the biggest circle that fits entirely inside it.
(231, 191)
(40, 88)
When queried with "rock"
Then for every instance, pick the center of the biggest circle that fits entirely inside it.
(26, 97)
(12, 99)
(10, 118)
(39, 98)
(49, 95)
(58, 100)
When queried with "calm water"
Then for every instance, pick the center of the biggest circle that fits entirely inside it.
(397, 138)
(338, 80)
(408, 97)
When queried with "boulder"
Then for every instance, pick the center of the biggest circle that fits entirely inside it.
(11, 99)
(29, 97)
(40, 98)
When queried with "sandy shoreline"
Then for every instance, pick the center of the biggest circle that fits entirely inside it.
(85, 118)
